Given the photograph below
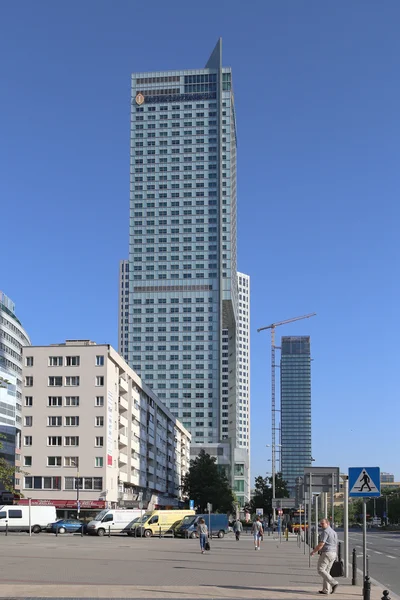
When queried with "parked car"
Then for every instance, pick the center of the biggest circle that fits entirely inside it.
(217, 523)
(66, 526)
(115, 520)
(16, 517)
(156, 521)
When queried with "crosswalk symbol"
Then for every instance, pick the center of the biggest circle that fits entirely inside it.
(364, 481)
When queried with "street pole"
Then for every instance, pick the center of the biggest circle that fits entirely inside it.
(300, 521)
(364, 539)
(325, 505)
(387, 511)
(333, 500)
(30, 516)
(305, 523)
(346, 526)
(316, 521)
(310, 520)
(78, 506)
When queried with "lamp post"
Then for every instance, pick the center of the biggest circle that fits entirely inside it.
(78, 504)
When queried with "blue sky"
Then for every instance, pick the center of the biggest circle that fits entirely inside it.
(317, 101)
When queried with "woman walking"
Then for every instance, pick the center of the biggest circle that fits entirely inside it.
(202, 532)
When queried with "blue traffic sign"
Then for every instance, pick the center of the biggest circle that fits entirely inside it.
(364, 482)
(191, 504)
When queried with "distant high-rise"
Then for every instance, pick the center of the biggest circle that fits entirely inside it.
(13, 339)
(387, 477)
(123, 314)
(295, 408)
(182, 252)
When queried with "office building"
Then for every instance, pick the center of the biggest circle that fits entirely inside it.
(295, 408)
(182, 253)
(13, 338)
(123, 314)
(89, 421)
(387, 477)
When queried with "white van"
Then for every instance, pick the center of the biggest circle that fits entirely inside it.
(115, 520)
(17, 517)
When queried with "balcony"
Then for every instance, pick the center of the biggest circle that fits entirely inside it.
(123, 404)
(150, 469)
(123, 386)
(122, 440)
(123, 459)
(123, 476)
(123, 421)
(150, 454)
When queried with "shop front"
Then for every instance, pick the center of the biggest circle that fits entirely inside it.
(68, 509)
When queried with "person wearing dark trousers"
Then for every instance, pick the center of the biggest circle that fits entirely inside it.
(327, 550)
(237, 528)
(202, 532)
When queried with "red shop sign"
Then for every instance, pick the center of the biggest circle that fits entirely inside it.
(98, 504)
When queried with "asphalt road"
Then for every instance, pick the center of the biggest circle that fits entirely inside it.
(383, 549)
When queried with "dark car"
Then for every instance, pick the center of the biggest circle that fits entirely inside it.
(66, 526)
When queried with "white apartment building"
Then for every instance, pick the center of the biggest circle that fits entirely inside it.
(242, 467)
(123, 309)
(12, 339)
(93, 431)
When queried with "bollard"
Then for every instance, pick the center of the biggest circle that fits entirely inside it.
(354, 568)
(6, 527)
(386, 595)
(367, 588)
(287, 534)
(82, 530)
(160, 531)
(109, 531)
(56, 530)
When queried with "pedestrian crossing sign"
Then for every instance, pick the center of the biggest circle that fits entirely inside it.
(364, 482)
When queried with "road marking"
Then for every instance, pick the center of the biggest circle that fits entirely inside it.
(376, 552)
(388, 555)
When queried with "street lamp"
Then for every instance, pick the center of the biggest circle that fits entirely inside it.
(78, 504)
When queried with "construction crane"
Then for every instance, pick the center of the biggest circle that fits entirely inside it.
(273, 400)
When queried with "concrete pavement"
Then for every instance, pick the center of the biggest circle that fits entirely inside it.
(120, 567)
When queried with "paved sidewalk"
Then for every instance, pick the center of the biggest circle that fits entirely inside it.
(120, 567)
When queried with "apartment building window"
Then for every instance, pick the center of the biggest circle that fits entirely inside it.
(55, 361)
(54, 440)
(71, 421)
(99, 380)
(27, 461)
(71, 461)
(99, 421)
(85, 483)
(54, 461)
(72, 401)
(100, 361)
(28, 421)
(54, 421)
(29, 361)
(55, 381)
(42, 483)
(99, 401)
(72, 361)
(54, 401)
(29, 381)
(98, 461)
(28, 400)
(72, 381)
(99, 441)
(28, 440)
(71, 440)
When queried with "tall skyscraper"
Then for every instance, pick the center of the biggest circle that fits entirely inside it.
(123, 313)
(182, 252)
(13, 337)
(295, 408)
(242, 476)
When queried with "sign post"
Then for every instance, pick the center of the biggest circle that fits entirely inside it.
(209, 509)
(346, 525)
(316, 521)
(30, 516)
(364, 482)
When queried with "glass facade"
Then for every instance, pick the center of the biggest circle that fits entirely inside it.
(182, 250)
(295, 408)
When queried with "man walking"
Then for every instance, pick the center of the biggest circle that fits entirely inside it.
(237, 528)
(257, 531)
(327, 549)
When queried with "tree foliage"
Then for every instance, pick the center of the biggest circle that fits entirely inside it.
(204, 483)
(263, 493)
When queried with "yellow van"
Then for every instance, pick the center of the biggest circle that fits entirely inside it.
(155, 521)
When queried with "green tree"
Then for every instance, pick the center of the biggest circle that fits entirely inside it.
(204, 483)
(263, 493)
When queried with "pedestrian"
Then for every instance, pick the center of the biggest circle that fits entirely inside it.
(237, 528)
(202, 532)
(257, 531)
(327, 550)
